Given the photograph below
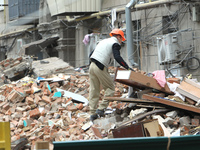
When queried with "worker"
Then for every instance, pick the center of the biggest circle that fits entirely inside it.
(101, 57)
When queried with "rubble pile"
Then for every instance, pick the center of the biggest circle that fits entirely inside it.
(54, 107)
(14, 69)
(10, 68)
(38, 112)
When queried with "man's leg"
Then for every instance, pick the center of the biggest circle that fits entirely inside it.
(94, 88)
(108, 85)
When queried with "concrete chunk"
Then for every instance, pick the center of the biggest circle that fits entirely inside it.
(172, 114)
(185, 121)
(168, 121)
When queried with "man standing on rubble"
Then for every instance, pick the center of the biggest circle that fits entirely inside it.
(103, 55)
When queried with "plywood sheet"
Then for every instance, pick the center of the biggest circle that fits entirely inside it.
(189, 90)
(172, 103)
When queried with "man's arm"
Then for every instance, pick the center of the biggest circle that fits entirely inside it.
(115, 48)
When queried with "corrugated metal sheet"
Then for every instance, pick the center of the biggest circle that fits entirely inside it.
(63, 7)
(21, 8)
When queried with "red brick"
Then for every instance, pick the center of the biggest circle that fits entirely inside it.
(79, 106)
(37, 98)
(29, 100)
(58, 100)
(2, 104)
(47, 138)
(34, 113)
(71, 107)
(43, 113)
(6, 106)
(12, 96)
(20, 90)
(19, 58)
(7, 60)
(20, 124)
(9, 89)
(69, 99)
(15, 96)
(45, 92)
(41, 85)
(16, 63)
(6, 64)
(61, 109)
(8, 112)
(33, 138)
(46, 99)
(28, 91)
(97, 132)
(33, 124)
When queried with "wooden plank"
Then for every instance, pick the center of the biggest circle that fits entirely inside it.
(130, 100)
(142, 116)
(192, 82)
(172, 103)
(149, 106)
(141, 81)
(190, 89)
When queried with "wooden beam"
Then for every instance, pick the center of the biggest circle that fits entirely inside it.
(130, 100)
(172, 103)
(142, 116)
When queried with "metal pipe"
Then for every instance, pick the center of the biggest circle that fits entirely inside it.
(129, 32)
(137, 6)
(94, 15)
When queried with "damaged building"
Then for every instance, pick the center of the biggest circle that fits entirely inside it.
(44, 98)
(164, 33)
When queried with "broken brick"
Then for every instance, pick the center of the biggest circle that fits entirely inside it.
(79, 106)
(71, 107)
(46, 99)
(34, 113)
(29, 100)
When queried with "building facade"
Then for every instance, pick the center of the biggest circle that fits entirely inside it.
(164, 33)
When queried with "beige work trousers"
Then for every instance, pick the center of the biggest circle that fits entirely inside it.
(99, 78)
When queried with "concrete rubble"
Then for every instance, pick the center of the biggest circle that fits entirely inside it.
(39, 111)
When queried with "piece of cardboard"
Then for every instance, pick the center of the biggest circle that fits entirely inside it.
(139, 80)
(153, 129)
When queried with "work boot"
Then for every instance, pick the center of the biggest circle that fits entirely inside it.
(100, 112)
(93, 117)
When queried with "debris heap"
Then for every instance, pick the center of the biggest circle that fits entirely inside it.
(49, 108)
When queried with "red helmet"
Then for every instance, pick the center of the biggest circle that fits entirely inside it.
(118, 32)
